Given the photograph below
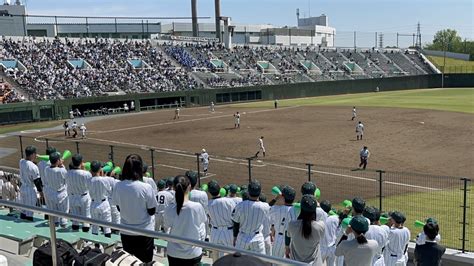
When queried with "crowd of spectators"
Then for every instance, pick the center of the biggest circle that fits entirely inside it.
(8, 94)
(107, 68)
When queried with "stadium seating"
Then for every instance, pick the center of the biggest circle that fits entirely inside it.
(64, 68)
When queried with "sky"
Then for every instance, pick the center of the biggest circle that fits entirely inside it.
(364, 16)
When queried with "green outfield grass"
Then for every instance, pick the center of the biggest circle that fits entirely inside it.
(29, 126)
(445, 203)
(456, 100)
(452, 65)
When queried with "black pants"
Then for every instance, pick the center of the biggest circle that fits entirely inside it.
(363, 162)
(184, 262)
(139, 246)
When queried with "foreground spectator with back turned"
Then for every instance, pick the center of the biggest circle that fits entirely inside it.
(136, 202)
(430, 253)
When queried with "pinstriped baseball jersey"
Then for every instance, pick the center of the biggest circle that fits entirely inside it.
(55, 179)
(201, 197)
(237, 200)
(152, 183)
(28, 173)
(251, 216)
(165, 199)
(112, 182)
(278, 217)
(99, 188)
(76, 181)
(220, 211)
(41, 166)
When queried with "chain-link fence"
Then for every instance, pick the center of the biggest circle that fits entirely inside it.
(419, 196)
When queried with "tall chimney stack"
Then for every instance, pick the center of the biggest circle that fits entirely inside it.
(194, 18)
(218, 19)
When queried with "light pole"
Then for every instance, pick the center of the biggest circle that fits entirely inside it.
(444, 66)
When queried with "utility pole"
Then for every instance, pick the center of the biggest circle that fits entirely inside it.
(418, 36)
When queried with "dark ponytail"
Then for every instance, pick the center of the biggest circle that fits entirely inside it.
(361, 239)
(307, 219)
(181, 183)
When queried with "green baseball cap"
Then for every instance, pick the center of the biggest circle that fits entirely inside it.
(325, 205)
(288, 193)
(308, 188)
(431, 220)
(233, 188)
(308, 203)
(359, 224)
(161, 184)
(254, 188)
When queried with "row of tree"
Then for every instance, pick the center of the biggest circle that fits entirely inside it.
(450, 41)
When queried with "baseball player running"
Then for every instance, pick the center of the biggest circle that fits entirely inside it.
(74, 129)
(249, 217)
(354, 113)
(278, 220)
(164, 198)
(55, 187)
(237, 120)
(261, 148)
(220, 212)
(364, 156)
(67, 130)
(205, 160)
(30, 180)
(83, 131)
(360, 130)
(79, 199)
(100, 189)
(176, 113)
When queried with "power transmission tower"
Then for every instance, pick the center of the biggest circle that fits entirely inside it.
(418, 36)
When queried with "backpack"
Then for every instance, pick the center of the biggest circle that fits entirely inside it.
(91, 257)
(65, 254)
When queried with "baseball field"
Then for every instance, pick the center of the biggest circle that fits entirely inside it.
(407, 132)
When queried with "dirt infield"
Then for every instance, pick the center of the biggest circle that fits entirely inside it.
(407, 140)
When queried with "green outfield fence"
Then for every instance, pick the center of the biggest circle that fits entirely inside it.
(448, 199)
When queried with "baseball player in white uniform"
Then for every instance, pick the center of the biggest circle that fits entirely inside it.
(237, 120)
(176, 113)
(249, 218)
(212, 107)
(395, 252)
(377, 233)
(220, 212)
(364, 157)
(100, 189)
(113, 207)
(164, 198)
(205, 160)
(198, 196)
(233, 189)
(278, 220)
(354, 113)
(359, 130)
(30, 181)
(55, 187)
(43, 164)
(83, 130)
(74, 129)
(78, 191)
(261, 147)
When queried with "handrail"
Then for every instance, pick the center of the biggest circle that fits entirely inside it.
(153, 234)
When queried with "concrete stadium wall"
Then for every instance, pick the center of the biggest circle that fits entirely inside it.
(59, 109)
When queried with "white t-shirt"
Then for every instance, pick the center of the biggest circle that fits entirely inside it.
(133, 199)
(190, 223)
(398, 238)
